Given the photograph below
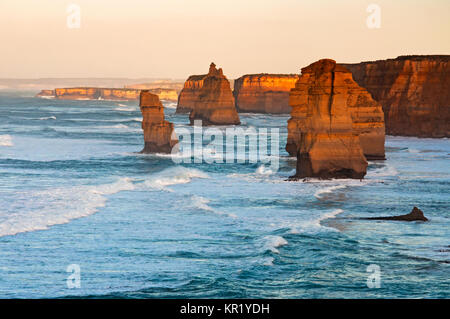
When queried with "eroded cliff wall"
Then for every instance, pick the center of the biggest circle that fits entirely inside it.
(264, 93)
(413, 90)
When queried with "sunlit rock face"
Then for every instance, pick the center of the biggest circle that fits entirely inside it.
(264, 93)
(414, 92)
(159, 134)
(190, 93)
(367, 117)
(214, 104)
(321, 125)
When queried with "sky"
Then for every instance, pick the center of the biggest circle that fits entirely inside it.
(177, 38)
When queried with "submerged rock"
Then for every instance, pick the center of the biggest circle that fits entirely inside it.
(321, 128)
(159, 135)
(415, 215)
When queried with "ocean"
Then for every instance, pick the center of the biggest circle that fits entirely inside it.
(75, 191)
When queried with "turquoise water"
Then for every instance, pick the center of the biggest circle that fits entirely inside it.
(74, 191)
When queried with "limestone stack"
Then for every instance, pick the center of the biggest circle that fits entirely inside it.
(413, 90)
(189, 94)
(214, 104)
(159, 135)
(322, 125)
(264, 93)
(367, 117)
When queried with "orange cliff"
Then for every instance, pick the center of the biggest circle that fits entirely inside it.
(413, 90)
(189, 94)
(328, 146)
(264, 93)
(366, 114)
(214, 104)
(159, 134)
(92, 93)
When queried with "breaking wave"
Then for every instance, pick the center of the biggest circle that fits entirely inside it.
(57, 206)
(174, 176)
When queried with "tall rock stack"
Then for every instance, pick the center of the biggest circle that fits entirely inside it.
(367, 118)
(264, 93)
(189, 94)
(159, 135)
(413, 90)
(321, 123)
(215, 102)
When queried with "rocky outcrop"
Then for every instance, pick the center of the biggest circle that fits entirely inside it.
(413, 90)
(415, 215)
(321, 127)
(264, 93)
(159, 135)
(366, 114)
(214, 104)
(115, 94)
(46, 94)
(190, 93)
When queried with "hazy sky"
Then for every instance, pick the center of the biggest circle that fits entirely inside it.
(176, 38)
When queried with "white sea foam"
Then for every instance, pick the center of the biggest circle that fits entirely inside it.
(263, 170)
(202, 203)
(45, 208)
(314, 225)
(385, 171)
(47, 118)
(268, 261)
(125, 109)
(170, 105)
(319, 194)
(173, 176)
(272, 242)
(6, 140)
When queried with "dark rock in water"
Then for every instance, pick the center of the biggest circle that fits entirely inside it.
(415, 215)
